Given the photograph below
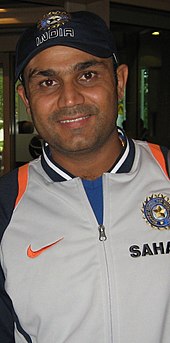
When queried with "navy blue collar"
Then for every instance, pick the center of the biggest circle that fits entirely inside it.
(123, 163)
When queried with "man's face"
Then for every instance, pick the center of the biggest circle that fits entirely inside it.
(72, 97)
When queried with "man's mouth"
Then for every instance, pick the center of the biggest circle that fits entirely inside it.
(65, 121)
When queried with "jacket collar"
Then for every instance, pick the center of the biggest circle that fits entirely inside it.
(123, 163)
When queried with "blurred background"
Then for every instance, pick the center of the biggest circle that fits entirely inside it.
(142, 31)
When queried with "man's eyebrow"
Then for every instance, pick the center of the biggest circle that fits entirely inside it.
(91, 63)
(76, 67)
(39, 72)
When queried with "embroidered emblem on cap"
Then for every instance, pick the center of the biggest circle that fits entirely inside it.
(53, 20)
(156, 211)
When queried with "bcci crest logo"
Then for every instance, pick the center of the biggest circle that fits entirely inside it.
(156, 211)
(53, 20)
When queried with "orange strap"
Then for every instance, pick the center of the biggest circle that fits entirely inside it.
(168, 159)
(22, 182)
(156, 151)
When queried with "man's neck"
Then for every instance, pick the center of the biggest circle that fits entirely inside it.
(90, 165)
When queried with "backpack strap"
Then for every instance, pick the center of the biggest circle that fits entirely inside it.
(157, 153)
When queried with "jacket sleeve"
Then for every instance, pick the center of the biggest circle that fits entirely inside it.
(8, 194)
(6, 314)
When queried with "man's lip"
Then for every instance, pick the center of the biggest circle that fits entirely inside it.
(73, 119)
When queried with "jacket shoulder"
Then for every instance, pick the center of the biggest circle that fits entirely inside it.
(162, 155)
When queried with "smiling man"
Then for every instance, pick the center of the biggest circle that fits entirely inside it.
(73, 222)
(73, 104)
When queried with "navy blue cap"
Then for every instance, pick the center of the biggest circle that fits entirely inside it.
(82, 30)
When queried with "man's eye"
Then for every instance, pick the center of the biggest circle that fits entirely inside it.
(87, 76)
(48, 83)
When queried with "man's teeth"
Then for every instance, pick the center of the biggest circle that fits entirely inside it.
(73, 120)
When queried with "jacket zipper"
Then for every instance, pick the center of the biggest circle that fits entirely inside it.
(102, 233)
(103, 238)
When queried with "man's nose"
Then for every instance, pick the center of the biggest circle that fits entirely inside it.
(70, 95)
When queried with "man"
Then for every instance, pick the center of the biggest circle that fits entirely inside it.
(85, 239)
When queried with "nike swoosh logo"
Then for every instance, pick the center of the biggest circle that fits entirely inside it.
(33, 254)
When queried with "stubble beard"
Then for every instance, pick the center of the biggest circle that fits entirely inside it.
(81, 147)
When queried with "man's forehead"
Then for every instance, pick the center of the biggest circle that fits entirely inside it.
(34, 72)
(57, 58)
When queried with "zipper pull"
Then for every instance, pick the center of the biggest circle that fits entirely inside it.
(102, 235)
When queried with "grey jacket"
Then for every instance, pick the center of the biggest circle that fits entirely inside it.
(69, 280)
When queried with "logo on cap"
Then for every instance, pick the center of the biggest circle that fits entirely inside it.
(156, 211)
(53, 20)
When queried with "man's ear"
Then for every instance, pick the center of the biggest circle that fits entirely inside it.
(22, 93)
(122, 75)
